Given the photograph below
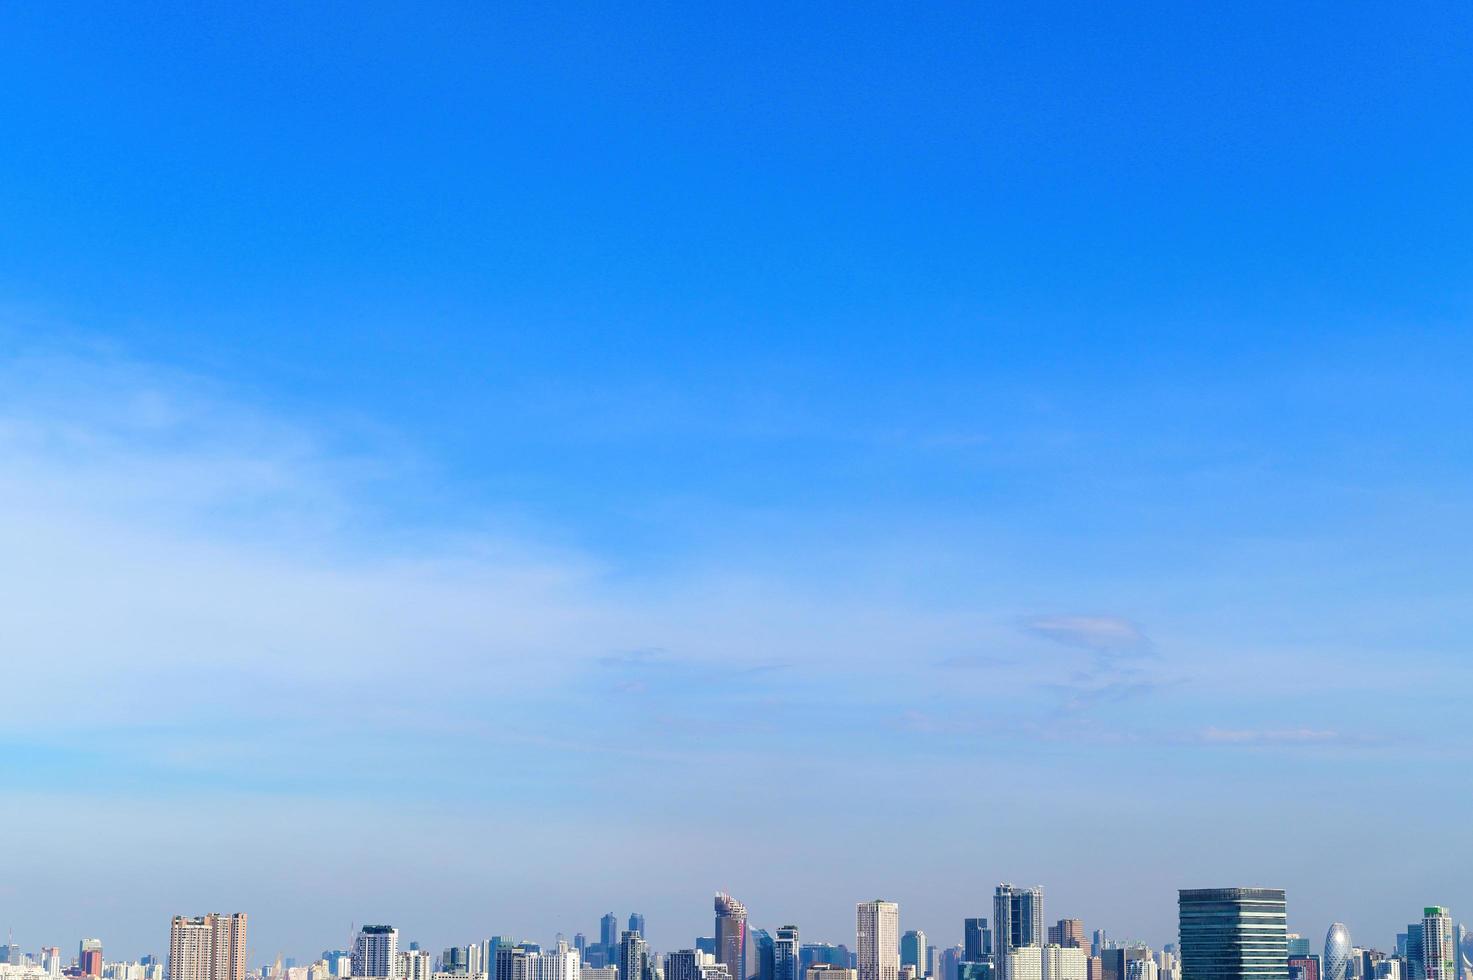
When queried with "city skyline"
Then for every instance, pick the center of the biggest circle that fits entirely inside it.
(373, 947)
(484, 465)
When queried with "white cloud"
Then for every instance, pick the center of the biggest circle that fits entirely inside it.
(1100, 634)
(1275, 736)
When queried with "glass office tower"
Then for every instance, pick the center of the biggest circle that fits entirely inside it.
(1233, 934)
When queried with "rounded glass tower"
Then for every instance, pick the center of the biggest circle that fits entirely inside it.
(1337, 953)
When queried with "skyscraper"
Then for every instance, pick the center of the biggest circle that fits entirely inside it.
(786, 957)
(877, 934)
(207, 947)
(1017, 921)
(731, 935)
(1416, 970)
(89, 957)
(1336, 963)
(636, 923)
(948, 961)
(976, 940)
(1233, 934)
(1068, 933)
(913, 951)
(375, 951)
(1437, 944)
(762, 945)
(634, 955)
(608, 936)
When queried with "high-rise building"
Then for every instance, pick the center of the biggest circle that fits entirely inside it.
(877, 935)
(507, 957)
(1115, 960)
(1017, 922)
(375, 951)
(207, 947)
(731, 935)
(948, 961)
(531, 963)
(1416, 968)
(1233, 934)
(456, 960)
(1051, 962)
(976, 940)
(913, 951)
(413, 964)
(1437, 944)
(1337, 953)
(1068, 933)
(786, 959)
(636, 923)
(829, 971)
(1142, 969)
(684, 964)
(51, 960)
(608, 936)
(89, 957)
(634, 957)
(762, 957)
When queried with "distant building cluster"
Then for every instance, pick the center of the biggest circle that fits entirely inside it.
(1223, 934)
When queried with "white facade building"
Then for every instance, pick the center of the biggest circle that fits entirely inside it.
(561, 964)
(413, 964)
(1438, 955)
(1048, 963)
(877, 940)
(375, 952)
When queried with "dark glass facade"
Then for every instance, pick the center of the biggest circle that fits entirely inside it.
(1234, 934)
(976, 940)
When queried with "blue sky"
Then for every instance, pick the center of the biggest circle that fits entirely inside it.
(497, 466)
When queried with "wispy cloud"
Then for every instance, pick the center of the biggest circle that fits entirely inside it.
(1279, 737)
(1109, 635)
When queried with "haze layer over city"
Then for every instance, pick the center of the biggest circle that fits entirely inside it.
(474, 469)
